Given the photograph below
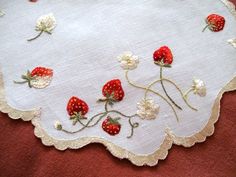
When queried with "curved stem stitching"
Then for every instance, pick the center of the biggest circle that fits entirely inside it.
(154, 92)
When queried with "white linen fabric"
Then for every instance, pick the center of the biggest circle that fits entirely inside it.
(83, 50)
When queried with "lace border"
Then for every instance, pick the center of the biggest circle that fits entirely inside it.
(139, 160)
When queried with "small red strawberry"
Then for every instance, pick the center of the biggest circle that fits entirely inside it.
(215, 23)
(111, 126)
(76, 109)
(112, 91)
(40, 77)
(163, 56)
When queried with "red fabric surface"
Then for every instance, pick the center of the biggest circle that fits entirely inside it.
(23, 155)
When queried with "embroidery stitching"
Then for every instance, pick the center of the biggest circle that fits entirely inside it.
(232, 42)
(164, 58)
(113, 93)
(39, 77)
(45, 23)
(214, 23)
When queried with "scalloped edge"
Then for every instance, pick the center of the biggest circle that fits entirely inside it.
(139, 160)
(12, 112)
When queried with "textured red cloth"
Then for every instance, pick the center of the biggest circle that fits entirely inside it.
(23, 155)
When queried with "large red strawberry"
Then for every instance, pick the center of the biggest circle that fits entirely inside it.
(77, 109)
(163, 56)
(111, 126)
(112, 91)
(39, 77)
(215, 23)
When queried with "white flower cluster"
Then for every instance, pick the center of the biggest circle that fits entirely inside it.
(147, 109)
(232, 42)
(128, 61)
(46, 23)
(199, 87)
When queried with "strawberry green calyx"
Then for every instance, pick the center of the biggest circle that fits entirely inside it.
(113, 121)
(162, 64)
(26, 79)
(77, 117)
(109, 99)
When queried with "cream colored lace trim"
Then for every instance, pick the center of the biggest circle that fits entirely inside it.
(230, 6)
(151, 159)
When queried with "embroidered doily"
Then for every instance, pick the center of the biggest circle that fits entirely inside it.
(135, 76)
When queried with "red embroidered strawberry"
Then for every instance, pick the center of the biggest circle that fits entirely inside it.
(33, 0)
(77, 109)
(163, 56)
(112, 91)
(215, 23)
(40, 77)
(41, 71)
(111, 126)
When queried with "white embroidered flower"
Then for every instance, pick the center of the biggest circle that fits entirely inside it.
(46, 23)
(199, 87)
(58, 125)
(147, 109)
(128, 61)
(232, 42)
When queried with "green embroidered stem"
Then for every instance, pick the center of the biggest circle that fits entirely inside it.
(148, 88)
(103, 114)
(176, 86)
(79, 120)
(41, 32)
(187, 92)
(92, 118)
(133, 126)
(164, 89)
(184, 96)
(208, 25)
(154, 92)
(123, 115)
(87, 124)
(20, 82)
(106, 106)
